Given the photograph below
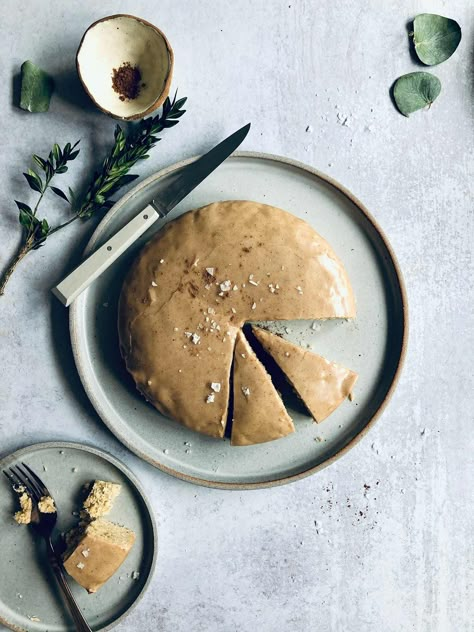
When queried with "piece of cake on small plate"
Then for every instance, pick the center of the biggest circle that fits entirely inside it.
(259, 414)
(320, 384)
(101, 498)
(96, 547)
(96, 551)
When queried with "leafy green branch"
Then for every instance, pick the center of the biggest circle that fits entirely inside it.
(128, 149)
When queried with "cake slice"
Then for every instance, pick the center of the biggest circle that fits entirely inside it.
(96, 550)
(321, 385)
(259, 414)
(101, 498)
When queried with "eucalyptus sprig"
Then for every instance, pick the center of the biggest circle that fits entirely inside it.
(129, 148)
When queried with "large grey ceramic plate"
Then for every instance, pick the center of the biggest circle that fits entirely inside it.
(373, 344)
(28, 589)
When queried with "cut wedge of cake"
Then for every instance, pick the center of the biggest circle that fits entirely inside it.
(96, 551)
(321, 385)
(259, 414)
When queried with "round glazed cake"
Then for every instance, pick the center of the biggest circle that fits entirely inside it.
(196, 283)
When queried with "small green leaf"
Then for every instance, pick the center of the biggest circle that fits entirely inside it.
(28, 220)
(415, 91)
(34, 181)
(36, 88)
(435, 38)
(44, 228)
(23, 207)
(25, 219)
(56, 152)
(59, 193)
(61, 169)
(39, 161)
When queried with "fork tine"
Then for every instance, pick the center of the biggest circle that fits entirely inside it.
(10, 478)
(42, 487)
(22, 480)
(31, 481)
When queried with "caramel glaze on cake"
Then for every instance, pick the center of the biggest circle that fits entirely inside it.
(195, 284)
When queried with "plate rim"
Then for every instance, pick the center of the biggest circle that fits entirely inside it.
(74, 321)
(131, 476)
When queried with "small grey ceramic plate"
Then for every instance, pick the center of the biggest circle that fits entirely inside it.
(373, 344)
(29, 596)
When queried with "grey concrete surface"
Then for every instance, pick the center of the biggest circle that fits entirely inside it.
(327, 553)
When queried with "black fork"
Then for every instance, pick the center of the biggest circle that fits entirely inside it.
(43, 524)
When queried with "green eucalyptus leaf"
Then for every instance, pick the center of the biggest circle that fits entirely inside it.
(435, 38)
(415, 91)
(36, 88)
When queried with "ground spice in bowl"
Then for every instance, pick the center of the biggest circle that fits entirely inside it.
(126, 81)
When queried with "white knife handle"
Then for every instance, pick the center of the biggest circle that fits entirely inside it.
(70, 288)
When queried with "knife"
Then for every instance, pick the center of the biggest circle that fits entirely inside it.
(187, 180)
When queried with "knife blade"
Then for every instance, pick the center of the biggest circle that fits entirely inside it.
(187, 180)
